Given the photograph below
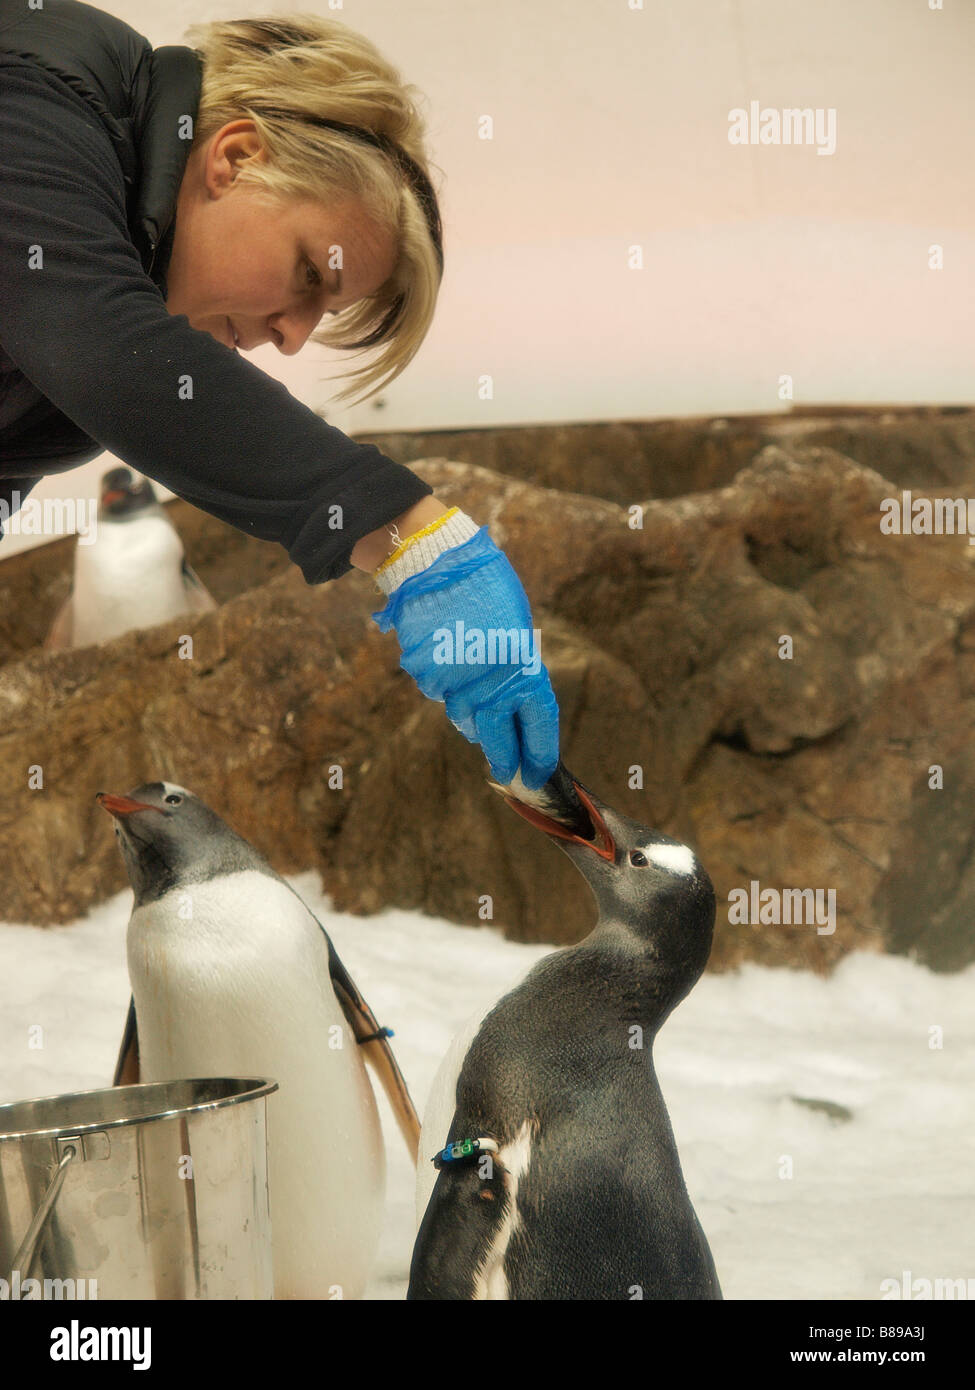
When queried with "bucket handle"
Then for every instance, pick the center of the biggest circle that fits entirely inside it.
(24, 1257)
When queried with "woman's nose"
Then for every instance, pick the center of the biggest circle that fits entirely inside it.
(290, 330)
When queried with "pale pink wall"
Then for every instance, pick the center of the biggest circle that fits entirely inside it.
(611, 128)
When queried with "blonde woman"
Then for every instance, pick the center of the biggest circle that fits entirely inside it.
(162, 211)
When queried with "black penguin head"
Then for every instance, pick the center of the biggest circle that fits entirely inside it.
(123, 496)
(651, 884)
(169, 837)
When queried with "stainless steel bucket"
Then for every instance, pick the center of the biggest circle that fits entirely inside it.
(155, 1191)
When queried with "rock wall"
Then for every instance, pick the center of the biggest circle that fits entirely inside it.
(664, 642)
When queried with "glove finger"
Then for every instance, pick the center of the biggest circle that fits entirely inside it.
(432, 680)
(461, 715)
(539, 747)
(503, 689)
(538, 729)
(498, 737)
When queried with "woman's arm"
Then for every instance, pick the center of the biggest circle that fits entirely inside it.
(81, 320)
(372, 550)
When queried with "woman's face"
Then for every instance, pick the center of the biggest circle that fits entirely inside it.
(267, 272)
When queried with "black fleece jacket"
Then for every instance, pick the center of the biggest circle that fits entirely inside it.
(90, 165)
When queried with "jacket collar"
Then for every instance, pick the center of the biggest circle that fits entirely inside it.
(164, 139)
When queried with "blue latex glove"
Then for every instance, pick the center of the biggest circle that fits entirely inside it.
(498, 694)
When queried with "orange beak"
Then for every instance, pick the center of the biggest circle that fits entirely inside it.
(122, 805)
(603, 844)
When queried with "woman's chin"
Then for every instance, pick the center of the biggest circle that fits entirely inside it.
(217, 325)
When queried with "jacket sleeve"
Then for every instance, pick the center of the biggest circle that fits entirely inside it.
(89, 328)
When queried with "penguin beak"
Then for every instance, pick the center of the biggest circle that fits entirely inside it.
(601, 843)
(122, 805)
(114, 495)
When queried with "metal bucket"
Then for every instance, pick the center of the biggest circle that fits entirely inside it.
(155, 1191)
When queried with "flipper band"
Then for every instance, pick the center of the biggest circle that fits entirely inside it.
(464, 1151)
(374, 1037)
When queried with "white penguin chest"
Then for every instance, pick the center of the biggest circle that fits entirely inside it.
(131, 577)
(231, 978)
(231, 972)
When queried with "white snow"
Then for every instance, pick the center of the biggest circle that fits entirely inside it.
(891, 1190)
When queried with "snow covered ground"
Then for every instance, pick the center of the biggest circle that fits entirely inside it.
(889, 1190)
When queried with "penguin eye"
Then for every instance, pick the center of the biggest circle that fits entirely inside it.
(173, 799)
(639, 859)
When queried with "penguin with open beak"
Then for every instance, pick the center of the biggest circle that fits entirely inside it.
(134, 573)
(232, 975)
(555, 1173)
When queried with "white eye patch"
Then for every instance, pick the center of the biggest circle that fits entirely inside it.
(170, 787)
(679, 859)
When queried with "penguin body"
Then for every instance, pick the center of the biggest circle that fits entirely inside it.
(232, 975)
(577, 1192)
(135, 574)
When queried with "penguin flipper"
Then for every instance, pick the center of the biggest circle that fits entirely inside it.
(198, 596)
(127, 1072)
(59, 638)
(456, 1254)
(376, 1050)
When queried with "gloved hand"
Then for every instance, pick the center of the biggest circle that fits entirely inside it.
(465, 628)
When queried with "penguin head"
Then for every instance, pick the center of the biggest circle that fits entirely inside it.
(124, 496)
(169, 837)
(652, 885)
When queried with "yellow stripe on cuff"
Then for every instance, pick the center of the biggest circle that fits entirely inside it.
(410, 540)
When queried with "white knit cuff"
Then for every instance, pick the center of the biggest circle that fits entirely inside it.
(418, 553)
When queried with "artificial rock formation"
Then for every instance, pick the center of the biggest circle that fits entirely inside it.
(754, 667)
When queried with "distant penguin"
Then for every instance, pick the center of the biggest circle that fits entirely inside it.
(134, 573)
(232, 975)
(557, 1174)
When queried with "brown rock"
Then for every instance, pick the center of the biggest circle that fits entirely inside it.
(924, 447)
(664, 640)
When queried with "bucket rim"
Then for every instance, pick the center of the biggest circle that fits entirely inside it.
(250, 1088)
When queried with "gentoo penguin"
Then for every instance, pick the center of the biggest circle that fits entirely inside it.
(555, 1172)
(232, 975)
(134, 574)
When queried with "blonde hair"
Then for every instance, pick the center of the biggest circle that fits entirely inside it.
(292, 75)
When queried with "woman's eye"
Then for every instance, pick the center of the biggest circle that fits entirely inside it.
(173, 799)
(312, 274)
(638, 858)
